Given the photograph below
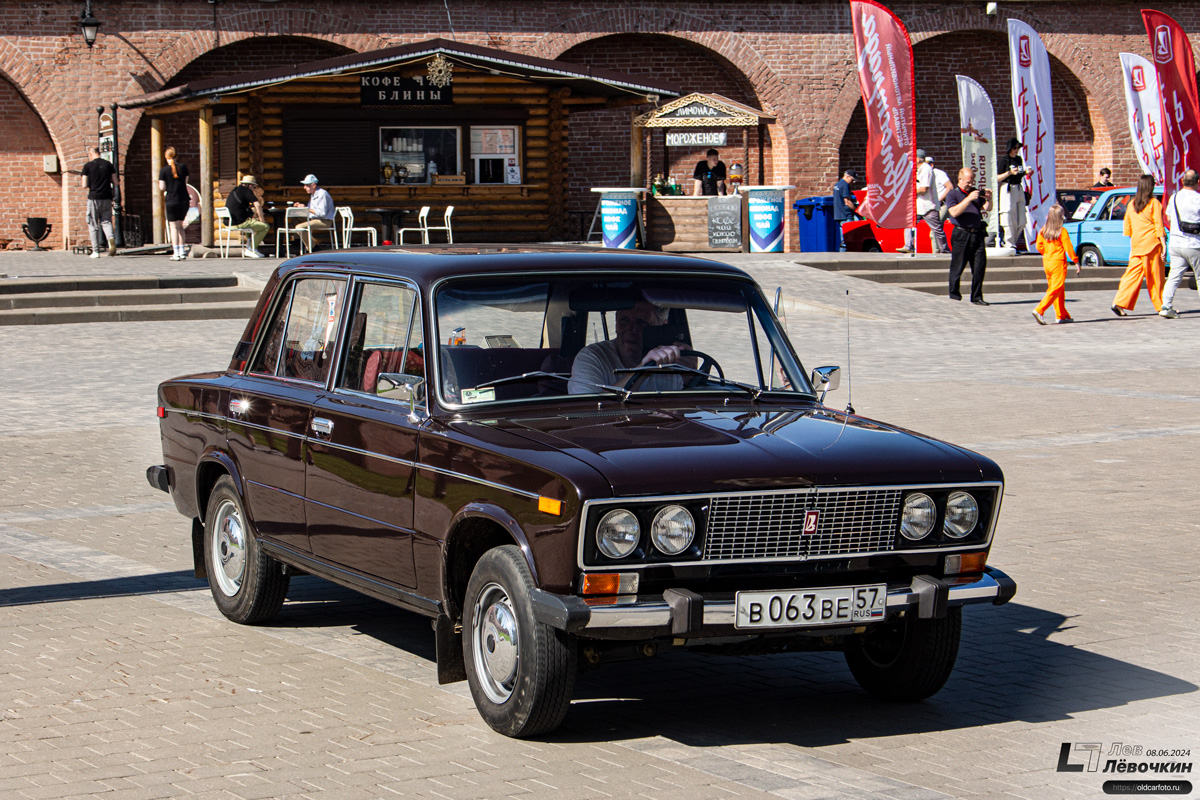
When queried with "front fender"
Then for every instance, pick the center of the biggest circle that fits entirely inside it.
(496, 514)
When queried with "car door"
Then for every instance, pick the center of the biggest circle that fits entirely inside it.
(1108, 229)
(270, 406)
(363, 449)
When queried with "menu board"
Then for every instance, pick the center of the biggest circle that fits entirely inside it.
(725, 221)
(493, 141)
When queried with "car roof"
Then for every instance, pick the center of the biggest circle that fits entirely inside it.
(427, 265)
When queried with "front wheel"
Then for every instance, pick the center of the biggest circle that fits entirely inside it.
(521, 671)
(906, 660)
(248, 585)
(1090, 257)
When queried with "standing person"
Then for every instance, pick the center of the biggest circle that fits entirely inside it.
(172, 181)
(929, 203)
(967, 204)
(1054, 243)
(708, 178)
(845, 208)
(1183, 212)
(943, 183)
(1148, 242)
(320, 209)
(1105, 181)
(246, 213)
(1011, 169)
(98, 177)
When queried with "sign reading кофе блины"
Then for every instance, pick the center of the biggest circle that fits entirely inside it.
(396, 90)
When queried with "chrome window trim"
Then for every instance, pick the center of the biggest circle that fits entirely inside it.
(278, 431)
(588, 505)
(356, 281)
(292, 279)
(431, 319)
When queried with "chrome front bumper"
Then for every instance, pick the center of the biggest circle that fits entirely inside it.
(680, 612)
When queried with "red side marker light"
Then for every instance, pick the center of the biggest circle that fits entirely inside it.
(162, 412)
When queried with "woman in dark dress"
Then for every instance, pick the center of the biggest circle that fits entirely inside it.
(173, 183)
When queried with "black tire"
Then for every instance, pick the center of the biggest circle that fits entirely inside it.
(906, 660)
(1090, 257)
(248, 585)
(521, 681)
(872, 246)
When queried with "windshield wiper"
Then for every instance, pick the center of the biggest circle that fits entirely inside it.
(562, 376)
(683, 369)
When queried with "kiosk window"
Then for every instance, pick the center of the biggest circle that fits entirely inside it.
(414, 155)
(493, 151)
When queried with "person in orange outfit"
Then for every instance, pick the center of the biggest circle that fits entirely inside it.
(1054, 244)
(1144, 227)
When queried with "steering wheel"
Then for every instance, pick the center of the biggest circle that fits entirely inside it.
(707, 362)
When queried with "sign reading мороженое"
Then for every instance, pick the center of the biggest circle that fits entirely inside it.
(384, 89)
(696, 139)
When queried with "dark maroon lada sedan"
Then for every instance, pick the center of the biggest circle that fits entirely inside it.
(567, 456)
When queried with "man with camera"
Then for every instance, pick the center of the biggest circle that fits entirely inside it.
(968, 203)
(1183, 214)
(1012, 170)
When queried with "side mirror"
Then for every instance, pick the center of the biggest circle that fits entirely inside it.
(399, 386)
(826, 379)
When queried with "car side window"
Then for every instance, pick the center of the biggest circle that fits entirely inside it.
(385, 338)
(311, 331)
(1116, 208)
(267, 360)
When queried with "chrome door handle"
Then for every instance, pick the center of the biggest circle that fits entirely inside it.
(322, 426)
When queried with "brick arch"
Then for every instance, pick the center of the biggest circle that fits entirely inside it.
(731, 46)
(41, 95)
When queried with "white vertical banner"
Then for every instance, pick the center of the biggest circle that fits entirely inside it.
(1143, 109)
(977, 123)
(1033, 108)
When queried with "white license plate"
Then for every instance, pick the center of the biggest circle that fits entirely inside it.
(802, 608)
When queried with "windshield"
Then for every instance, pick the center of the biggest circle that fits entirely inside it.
(544, 336)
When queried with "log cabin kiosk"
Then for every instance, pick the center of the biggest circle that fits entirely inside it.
(435, 123)
(681, 222)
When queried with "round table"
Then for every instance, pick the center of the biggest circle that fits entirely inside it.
(391, 220)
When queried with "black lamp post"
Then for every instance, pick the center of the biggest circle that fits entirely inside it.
(89, 24)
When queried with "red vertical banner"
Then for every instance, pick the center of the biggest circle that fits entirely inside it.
(885, 75)
(1172, 56)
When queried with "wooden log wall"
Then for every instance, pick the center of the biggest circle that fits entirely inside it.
(535, 210)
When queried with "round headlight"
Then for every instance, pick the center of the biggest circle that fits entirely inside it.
(673, 530)
(918, 516)
(962, 512)
(618, 533)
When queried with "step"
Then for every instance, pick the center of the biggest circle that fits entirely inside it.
(131, 297)
(114, 283)
(1000, 273)
(1017, 286)
(153, 313)
(881, 263)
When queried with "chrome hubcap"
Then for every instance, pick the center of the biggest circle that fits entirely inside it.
(229, 549)
(494, 643)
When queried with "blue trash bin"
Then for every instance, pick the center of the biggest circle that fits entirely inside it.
(818, 230)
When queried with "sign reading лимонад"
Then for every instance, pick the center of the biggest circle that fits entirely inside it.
(387, 89)
(696, 139)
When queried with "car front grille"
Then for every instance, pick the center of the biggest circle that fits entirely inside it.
(761, 526)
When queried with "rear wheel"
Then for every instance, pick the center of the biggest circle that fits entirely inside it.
(248, 585)
(906, 660)
(871, 246)
(1090, 257)
(521, 671)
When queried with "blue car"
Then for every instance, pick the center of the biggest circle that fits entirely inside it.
(1097, 230)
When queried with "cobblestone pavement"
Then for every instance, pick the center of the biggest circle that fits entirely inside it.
(119, 677)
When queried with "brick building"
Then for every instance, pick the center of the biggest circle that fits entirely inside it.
(793, 59)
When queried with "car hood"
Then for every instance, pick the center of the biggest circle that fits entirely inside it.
(679, 451)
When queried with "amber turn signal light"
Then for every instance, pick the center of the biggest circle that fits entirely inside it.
(548, 505)
(966, 562)
(610, 583)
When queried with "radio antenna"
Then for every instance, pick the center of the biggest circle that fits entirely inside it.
(849, 372)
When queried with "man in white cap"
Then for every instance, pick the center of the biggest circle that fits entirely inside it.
(320, 208)
(246, 213)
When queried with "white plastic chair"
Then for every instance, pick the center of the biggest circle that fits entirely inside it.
(445, 227)
(422, 227)
(287, 231)
(348, 229)
(226, 232)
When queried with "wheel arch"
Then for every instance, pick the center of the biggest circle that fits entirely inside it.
(213, 464)
(475, 529)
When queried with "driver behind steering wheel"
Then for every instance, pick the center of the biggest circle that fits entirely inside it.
(597, 363)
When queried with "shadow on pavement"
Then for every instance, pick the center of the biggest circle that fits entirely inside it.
(155, 583)
(1009, 669)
